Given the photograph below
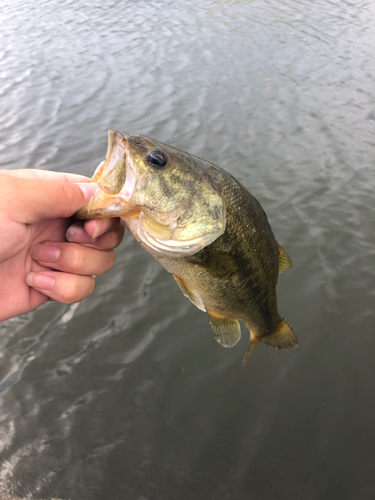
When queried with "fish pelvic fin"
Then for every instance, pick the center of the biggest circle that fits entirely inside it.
(282, 338)
(227, 331)
(284, 259)
(193, 296)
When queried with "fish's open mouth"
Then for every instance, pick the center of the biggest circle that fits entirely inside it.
(113, 171)
(115, 178)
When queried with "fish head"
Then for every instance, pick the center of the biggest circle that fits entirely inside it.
(164, 196)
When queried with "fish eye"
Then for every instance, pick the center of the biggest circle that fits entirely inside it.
(157, 158)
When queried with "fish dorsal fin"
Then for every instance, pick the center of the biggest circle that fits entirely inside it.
(227, 331)
(195, 298)
(283, 338)
(284, 259)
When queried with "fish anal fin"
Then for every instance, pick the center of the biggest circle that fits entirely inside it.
(283, 338)
(254, 341)
(284, 259)
(193, 296)
(227, 331)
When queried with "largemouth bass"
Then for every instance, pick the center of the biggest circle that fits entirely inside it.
(204, 228)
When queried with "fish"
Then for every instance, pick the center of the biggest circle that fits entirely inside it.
(204, 227)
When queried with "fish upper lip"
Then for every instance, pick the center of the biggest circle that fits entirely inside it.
(113, 175)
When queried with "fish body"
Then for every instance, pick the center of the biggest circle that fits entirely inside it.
(204, 228)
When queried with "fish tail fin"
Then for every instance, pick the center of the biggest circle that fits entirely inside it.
(282, 338)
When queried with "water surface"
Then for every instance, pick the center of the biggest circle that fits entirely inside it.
(127, 394)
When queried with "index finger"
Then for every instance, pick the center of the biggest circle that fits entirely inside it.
(33, 173)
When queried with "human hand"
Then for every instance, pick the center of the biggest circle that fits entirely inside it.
(42, 256)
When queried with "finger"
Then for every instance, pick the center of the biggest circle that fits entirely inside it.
(97, 227)
(62, 287)
(28, 201)
(33, 173)
(73, 258)
(111, 239)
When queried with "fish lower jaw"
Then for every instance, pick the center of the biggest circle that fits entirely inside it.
(102, 205)
(159, 247)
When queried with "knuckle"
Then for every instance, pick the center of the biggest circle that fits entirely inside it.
(91, 285)
(107, 261)
(65, 191)
(111, 259)
(119, 235)
(76, 259)
(88, 285)
(70, 292)
(78, 289)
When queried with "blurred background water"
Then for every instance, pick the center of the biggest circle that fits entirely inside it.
(127, 395)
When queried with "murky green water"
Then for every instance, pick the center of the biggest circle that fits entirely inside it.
(127, 395)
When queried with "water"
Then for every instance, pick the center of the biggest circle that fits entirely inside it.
(127, 394)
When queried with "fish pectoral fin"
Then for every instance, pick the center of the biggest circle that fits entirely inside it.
(283, 338)
(284, 259)
(227, 331)
(216, 263)
(195, 298)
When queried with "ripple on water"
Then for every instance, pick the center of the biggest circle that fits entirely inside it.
(127, 395)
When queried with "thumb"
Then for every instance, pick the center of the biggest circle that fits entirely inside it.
(31, 200)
